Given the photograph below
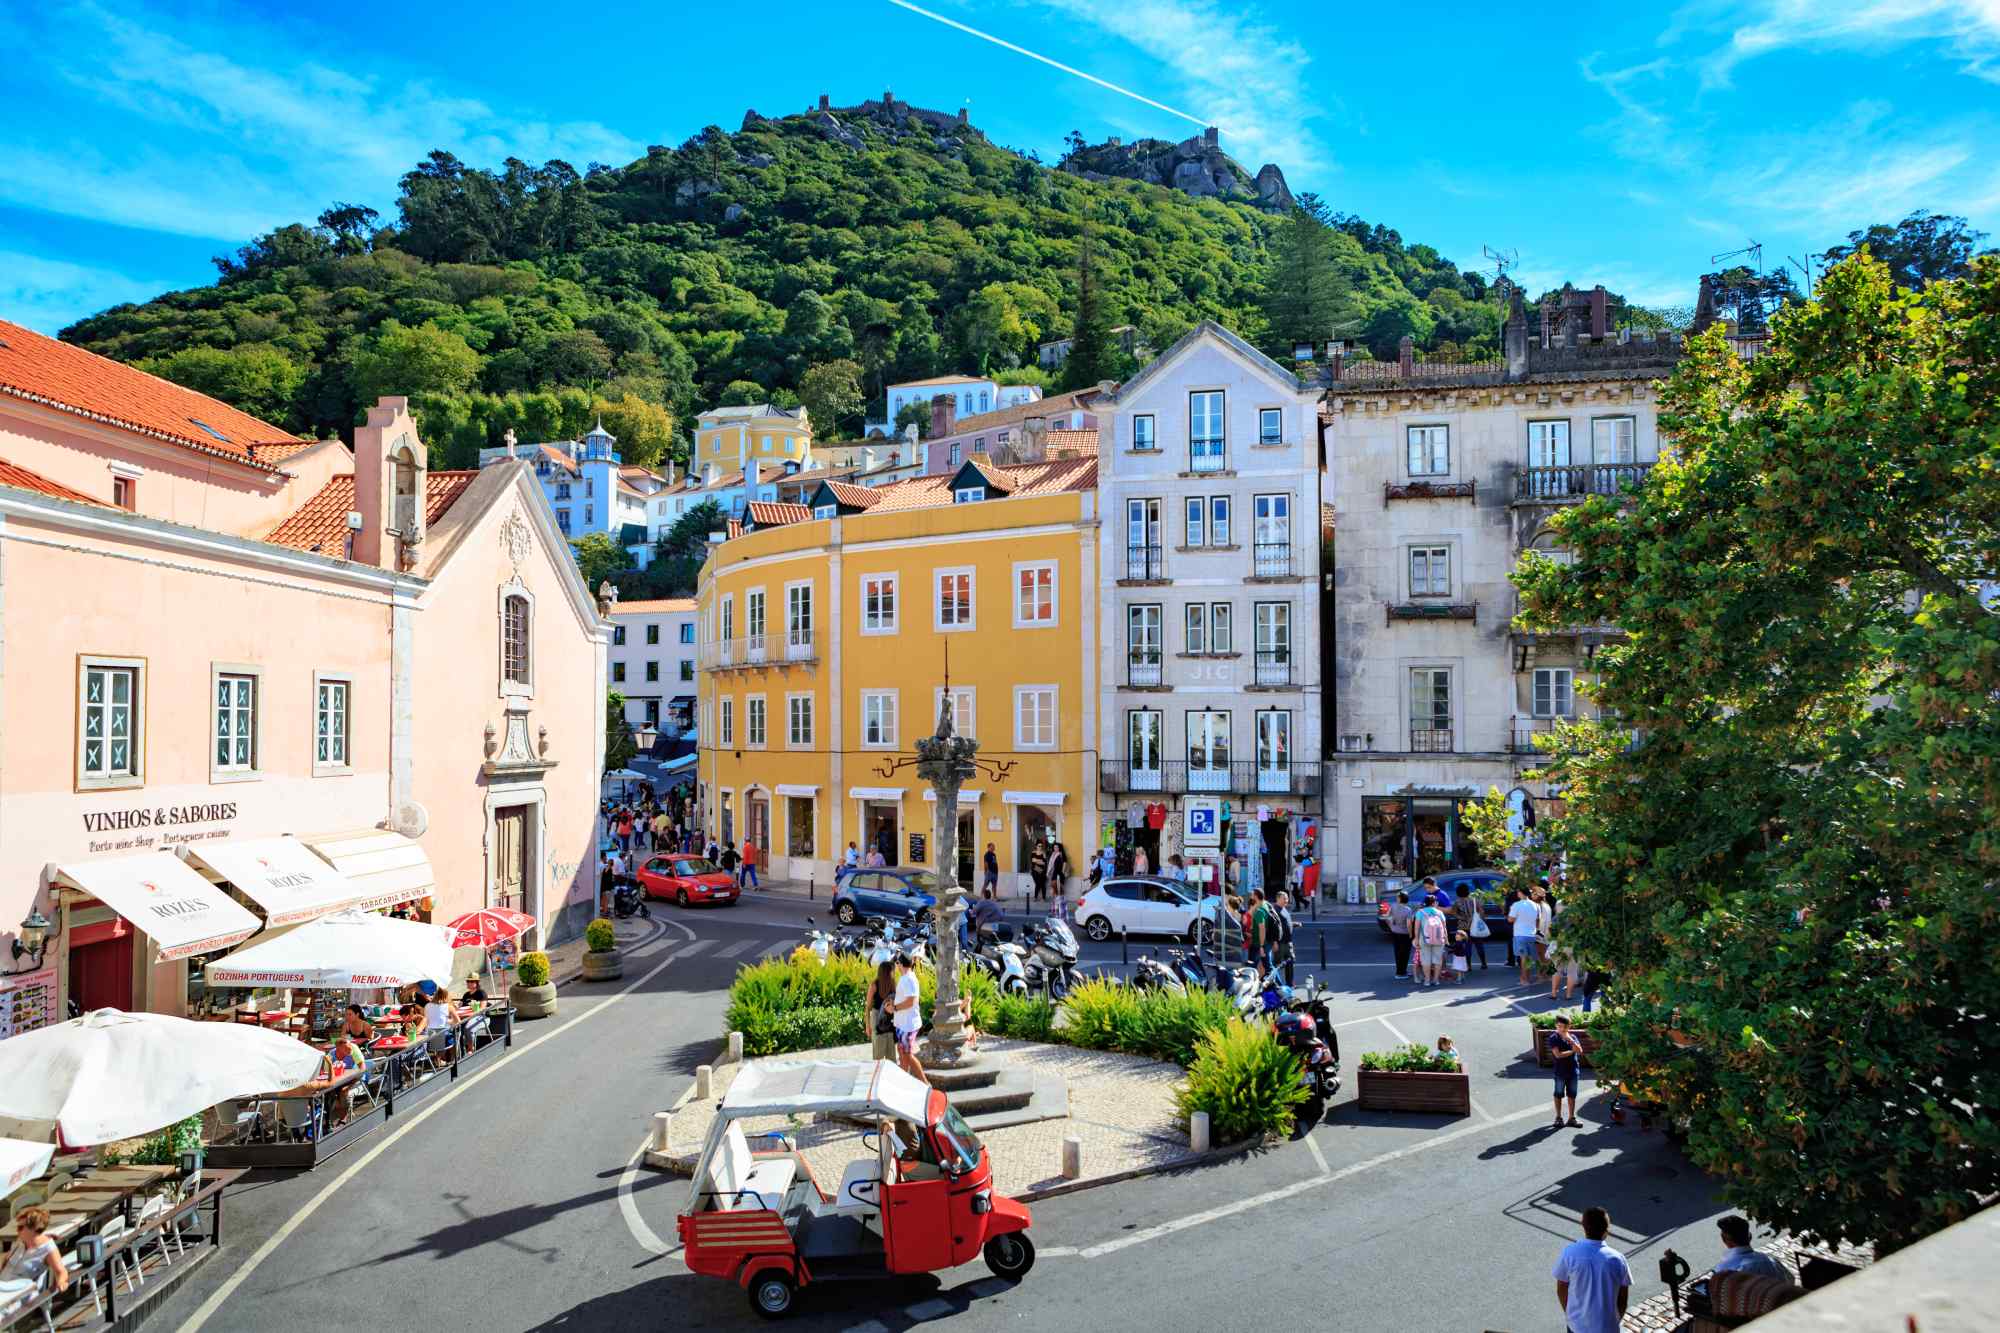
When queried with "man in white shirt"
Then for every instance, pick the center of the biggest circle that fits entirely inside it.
(908, 1019)
(1593, 1281)
(1738, 1255)
(1525, 920)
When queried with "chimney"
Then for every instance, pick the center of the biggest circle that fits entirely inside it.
(1704, 303)
(944, 411)
(389, 467)
(1599, 312)
(1406, 357)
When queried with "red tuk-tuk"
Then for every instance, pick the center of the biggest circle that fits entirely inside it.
(921, 1201)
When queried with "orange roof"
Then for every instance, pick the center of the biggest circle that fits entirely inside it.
(1047, 478)
(1058, 405)
(1070, 443)
(735, 528)
(320, 524)
(278, 453)
(767, 514)
(558, 457)
(658, 606)
(22, 479)
(69, 379)
(849, 494)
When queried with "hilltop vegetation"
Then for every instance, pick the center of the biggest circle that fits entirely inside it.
(786, 256)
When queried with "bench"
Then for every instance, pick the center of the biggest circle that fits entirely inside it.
(745, 1182)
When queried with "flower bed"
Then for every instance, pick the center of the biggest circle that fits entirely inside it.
(1541, 1025)
(1412, 1079)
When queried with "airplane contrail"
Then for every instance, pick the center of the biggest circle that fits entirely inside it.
(1053, 64)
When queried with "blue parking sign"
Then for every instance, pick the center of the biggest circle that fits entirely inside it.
(1204, 823)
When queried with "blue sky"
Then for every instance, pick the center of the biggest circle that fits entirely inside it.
(1604, 143)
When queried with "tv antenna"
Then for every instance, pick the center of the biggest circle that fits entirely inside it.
(1502, 261)
(1755, 250)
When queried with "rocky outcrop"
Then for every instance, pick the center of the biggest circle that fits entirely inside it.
(1195, 166)
(944, 130)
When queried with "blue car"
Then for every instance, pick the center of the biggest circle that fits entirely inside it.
(898, 892)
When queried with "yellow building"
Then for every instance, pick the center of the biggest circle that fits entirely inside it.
(826, 636)
(729, 439)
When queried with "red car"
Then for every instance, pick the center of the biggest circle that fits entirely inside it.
(686, 879)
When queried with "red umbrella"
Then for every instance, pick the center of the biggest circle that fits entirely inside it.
(487, 927)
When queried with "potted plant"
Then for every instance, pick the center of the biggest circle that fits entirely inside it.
(531, 994)
(1541, 1025)
(600, 958)
(1413, 1078)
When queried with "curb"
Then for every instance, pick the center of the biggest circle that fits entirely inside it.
(1213, 1155)
(568, 977)
(665, 1161)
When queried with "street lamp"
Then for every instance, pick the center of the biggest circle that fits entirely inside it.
(33, 939)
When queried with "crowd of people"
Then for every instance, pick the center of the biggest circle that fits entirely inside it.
(1435, 935)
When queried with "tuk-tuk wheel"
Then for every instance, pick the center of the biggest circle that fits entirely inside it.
(771, 1293)
(1010, 1256)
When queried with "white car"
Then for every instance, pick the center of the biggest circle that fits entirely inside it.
(1142, 905)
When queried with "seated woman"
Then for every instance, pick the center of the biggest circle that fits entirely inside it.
(355, 1026)
(440, 1015)
(474, 993)
(347, 1058)
(34, 1252)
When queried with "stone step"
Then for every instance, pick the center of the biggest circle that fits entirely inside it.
(1050, 1101)
(1010, 1090)
(978, 1072)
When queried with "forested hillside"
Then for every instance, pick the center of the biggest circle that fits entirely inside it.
(804, 258)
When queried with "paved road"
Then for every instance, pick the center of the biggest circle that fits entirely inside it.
(512, 1203)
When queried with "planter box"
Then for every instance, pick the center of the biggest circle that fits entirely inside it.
(1439, 1094)
(1541, 1037)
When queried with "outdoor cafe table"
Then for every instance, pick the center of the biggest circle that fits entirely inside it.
(106, 1190)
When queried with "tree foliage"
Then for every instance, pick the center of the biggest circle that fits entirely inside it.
(619, 747)
(1793, 871)
(831, 393)
(599, 557)
(1305, 296)
(1921, 249)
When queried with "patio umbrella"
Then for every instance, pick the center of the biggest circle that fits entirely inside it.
(21, 1161)
(346, 950)
(111, 1075)
(487, 927)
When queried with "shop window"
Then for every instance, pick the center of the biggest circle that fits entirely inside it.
(1385, 836)
(799, 825)
(331, 726)
(110, 722)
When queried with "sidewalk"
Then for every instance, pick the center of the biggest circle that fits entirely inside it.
(819, 897)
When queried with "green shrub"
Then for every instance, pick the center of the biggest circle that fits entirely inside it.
(161, 1149)
(1577, 1018)
(1416, 1058)
(1029, 1017)
(1101, 1016)
(532, 969)
(1171, 1026)
(599, 937)
(1246, 1082)
(814, 1027)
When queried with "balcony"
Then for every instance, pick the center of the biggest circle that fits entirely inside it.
(1271, 560)
(1206, 456)
(1117, 777)
(1428, 490)
(1576, 481)
(1143, 671)
(1430, 611)
(1145, 564)
(1430, 740)
(1521, 736)
(1272, 669)
(758, 651)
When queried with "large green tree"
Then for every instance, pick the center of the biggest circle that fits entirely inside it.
(599, 557)
(1921, 249)
(399, 360)
(1092, 357)
(1792, 873)
(1304, 296)
(255, 377)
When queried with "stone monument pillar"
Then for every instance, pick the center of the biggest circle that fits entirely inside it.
(945, 761)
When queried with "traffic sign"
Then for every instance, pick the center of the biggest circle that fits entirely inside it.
(1204, 822)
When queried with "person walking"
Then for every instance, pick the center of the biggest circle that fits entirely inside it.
(1545, 920)
(730, 860)
(1522, 918)
(850, 861)
(1038, 868)
(746, 877)
(1567, 1053)
(1399, 933)
(989, 870)
(909, 1021)
(876, 1016)
(1593, 1281)
(1432, 934)
(1058, 871)
(1465, 914)
(1287, 953)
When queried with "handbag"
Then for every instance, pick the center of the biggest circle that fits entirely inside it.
(1480, 930)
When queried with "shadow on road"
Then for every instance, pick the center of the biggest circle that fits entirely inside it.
(705, 1302)
(504, 1227)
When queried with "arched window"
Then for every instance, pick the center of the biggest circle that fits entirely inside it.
(516, 661)
(406, 517)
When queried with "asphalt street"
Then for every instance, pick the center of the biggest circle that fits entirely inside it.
(514, 1202)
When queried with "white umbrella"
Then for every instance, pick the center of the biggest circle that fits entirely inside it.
(625, 775)
(112, 1075)
(21, 1161)
(346, 950)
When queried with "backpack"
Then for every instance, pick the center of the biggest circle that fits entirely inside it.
(1433, 926)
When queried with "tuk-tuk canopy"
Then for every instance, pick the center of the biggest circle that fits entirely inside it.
(837, 1087)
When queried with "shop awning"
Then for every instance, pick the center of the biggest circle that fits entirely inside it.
(675, 765)
(966, 796)
(281, 875)
(1033, 797)
(876, 793)
(796, 789)
(385, 868)
(164, 900)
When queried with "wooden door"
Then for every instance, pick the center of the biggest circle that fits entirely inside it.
(510, 856)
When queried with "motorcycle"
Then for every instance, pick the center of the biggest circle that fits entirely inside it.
(1149, 973)
(823, 943)
(1319, 1058)
(1051, 960)
(628, 900)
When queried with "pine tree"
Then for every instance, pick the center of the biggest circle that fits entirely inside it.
(1304, 293)
(1092, 355)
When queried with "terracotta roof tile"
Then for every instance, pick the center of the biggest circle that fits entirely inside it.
(69, 379)
(320, 524)
(658, 606)
(768, 514)
(1058, 404)
(22, 479)
(278, 453)
(849, 494)
(1070, 444)
(1048, 478)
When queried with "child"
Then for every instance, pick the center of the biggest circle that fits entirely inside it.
(1461, 955)
(1448, 1052)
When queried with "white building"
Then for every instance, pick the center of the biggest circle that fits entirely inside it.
(1209, 472)
(970, 395)
(652, 662)
(587, 483)
(1442, 476)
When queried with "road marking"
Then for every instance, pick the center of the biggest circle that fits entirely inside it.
(730, 951)
(693, 946)
(1288, 1191)
(1484, 1114)
(1394, 1031)
(649, 1240)
(1318, 1156)
(780, 949)
(1057, 1251)
(235, 1281)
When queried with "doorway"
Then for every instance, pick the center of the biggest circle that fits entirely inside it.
(1431, 837)
(757, 816)
(100, 973)
(879, 826)
(1277, 839)
(799, 841)
(510, 864)
(968, 829)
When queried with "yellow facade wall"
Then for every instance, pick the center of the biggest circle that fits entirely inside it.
(723, 444)
(836, 783)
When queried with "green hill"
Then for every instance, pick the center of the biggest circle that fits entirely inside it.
(881, 241)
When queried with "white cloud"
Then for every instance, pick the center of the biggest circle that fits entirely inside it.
(47, 295)
(227, 139)
(1969, 30)
(1241, 71)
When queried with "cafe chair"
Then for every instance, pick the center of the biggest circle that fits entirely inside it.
(153, 1214)
(298, 1119)
(17, 1294)
(369, 1086)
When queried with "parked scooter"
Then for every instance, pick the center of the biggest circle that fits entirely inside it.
(627, 900)
(824, 944)
(1319, 1058)
(1051, 958)
(1149, 973)
(1004, 960)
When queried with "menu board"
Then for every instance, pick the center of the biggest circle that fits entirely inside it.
(27, 1002)
(919, 844)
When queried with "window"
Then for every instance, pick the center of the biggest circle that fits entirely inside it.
(1429, 451)
(1197, 520)
(954, 458)
(590, 486)
(964, 717)
(125, 493)
(1034, 595)
(687, 632)
(764, 445)
(1143, 438)
(617, 671)
(1205, 438)
(562, 521)
(687, 669)
(1430, 571)
(109, 738)
(516, 619)
(617, 636)
(1218, 521)
(728, 619)
(653, 671)
(235, 731)
(878, 719)
(878, 603)
(827, 511)
(1034, 717)
(1548, 444)
(753, 618)
(1145, 742)
(1208, 751)
(753, 721)
(1430, 709)
(330, 728)
(1274, 746)
(1197, 627)
(968, 495)
(1270, 426)
(652, 635)
(1143, 644)
(954, 599)
(1614, 440)
(1385, 836)
(562, 490)
(725, 724)
(798, 619)
(799, 721)
(1552, 692)
(589, 515)
(1221, 638)
(1272, 626)
(1271, 552)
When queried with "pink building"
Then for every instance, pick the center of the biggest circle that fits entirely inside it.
(1063, 425)
(246, 678)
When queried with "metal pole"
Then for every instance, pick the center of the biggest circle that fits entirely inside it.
(1123, 939)
(1322, 948)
